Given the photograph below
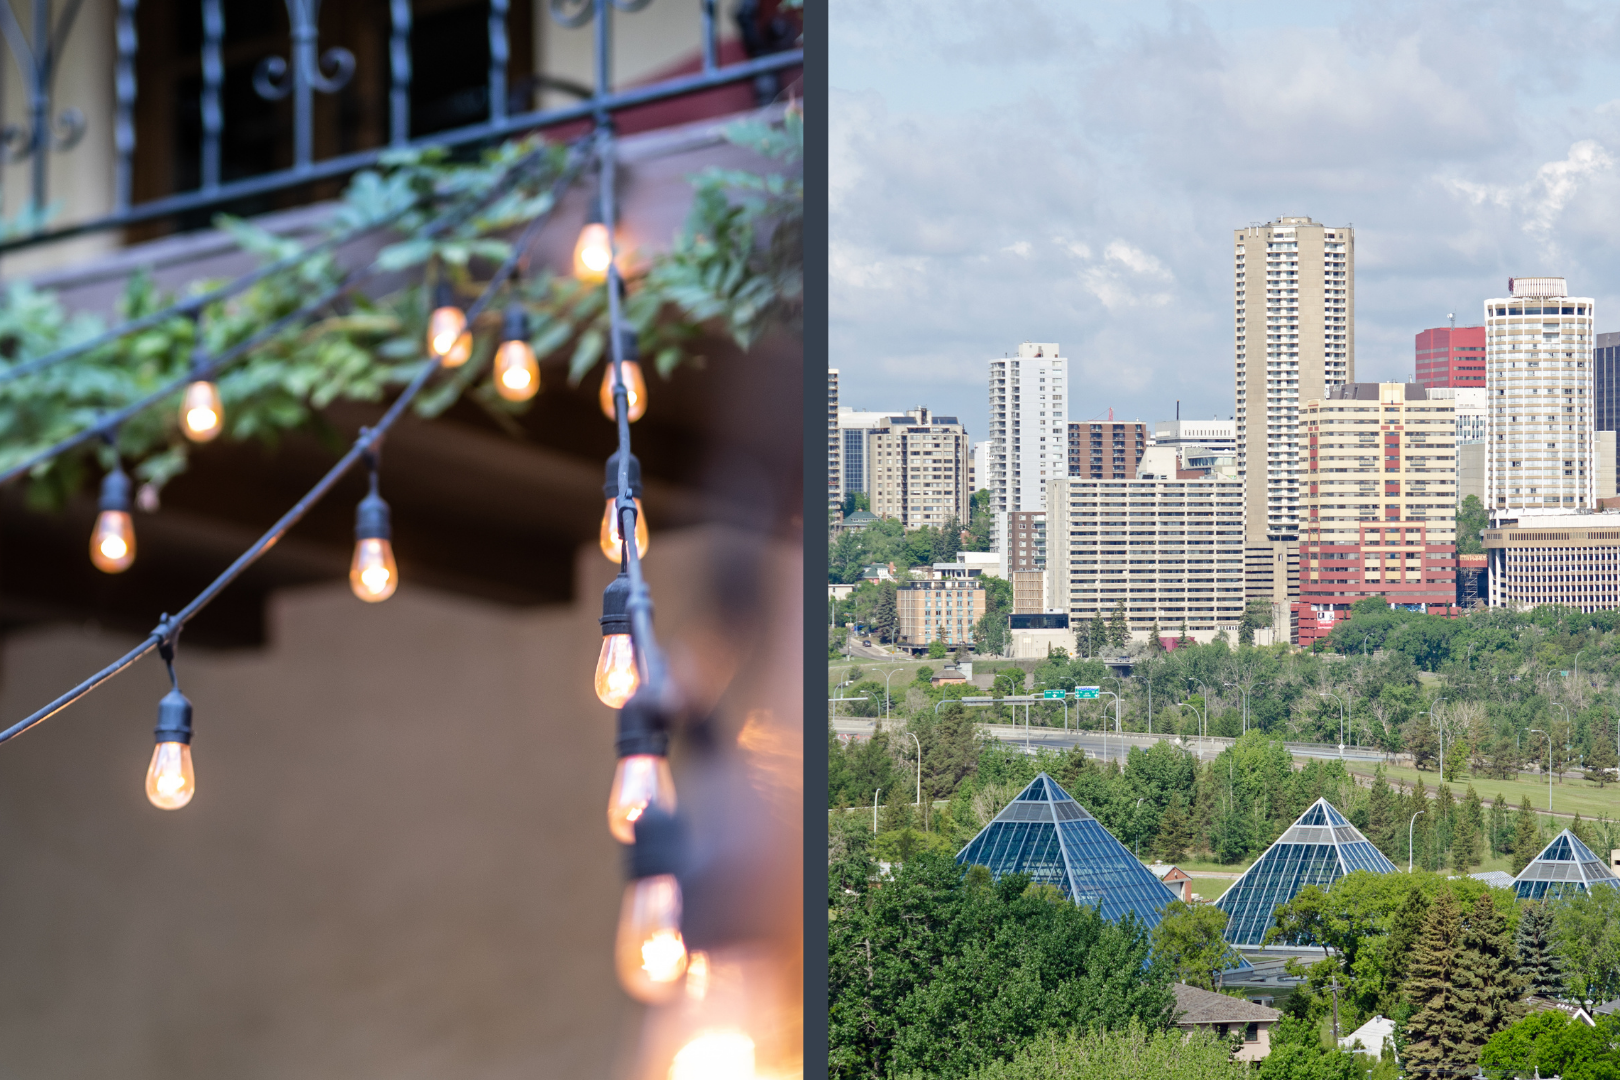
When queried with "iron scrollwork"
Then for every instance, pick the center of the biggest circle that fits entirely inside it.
(326, 72)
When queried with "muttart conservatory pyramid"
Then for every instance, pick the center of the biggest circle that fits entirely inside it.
(1564, 866)
(1046, 834)
(1318, 849)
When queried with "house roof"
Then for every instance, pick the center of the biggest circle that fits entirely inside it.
(1496, 879)
(1195, 1006)
(1166, 872)
(1537, 1003)
(1371, 1035)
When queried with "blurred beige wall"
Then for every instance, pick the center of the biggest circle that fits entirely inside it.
(396, 865)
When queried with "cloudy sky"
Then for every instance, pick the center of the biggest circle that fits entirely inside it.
(1059, 170)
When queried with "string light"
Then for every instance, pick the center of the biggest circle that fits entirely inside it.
(635, 386)
(448, 337)
(202, 415)
(372, 573)
(724, 1054)
(593, 251)
(170, 781)
(517, 375)
(641, 780)
(608, 538)
(616, 675)
(649, 952)
(112, 541)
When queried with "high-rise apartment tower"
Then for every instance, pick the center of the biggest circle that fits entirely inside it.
(1540, 438)
(1295, 342)
(1029, 430)
(834, 466)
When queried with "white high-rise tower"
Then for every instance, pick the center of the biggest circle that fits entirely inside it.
(1540, 447)
(1029, 430)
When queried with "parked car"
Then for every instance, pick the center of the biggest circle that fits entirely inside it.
(867, 643)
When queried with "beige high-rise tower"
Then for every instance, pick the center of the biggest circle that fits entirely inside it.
(1294, 298)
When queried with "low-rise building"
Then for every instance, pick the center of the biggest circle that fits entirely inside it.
(1379, 507)
(1176, 878)
(1172, 550)
(1571, 559)
(943, 610)
(1029, 592)
(1034, 636)
(1202, 1010)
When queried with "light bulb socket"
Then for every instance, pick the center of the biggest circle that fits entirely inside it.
(371, 518)
(174, 718)
(516, 327)
(611, 488)
(659, 845)
(643, 727)
(115, 490)
(629, 351)
(443, 295)
(616, 606)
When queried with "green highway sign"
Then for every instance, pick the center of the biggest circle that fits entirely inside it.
(1052, 693)
(1086, 691)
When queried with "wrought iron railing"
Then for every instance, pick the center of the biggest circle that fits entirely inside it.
(307, 71)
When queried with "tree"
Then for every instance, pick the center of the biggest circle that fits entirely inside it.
(1602, 756)
(1435, 1034)
(1175, 831)
(1526, 837)
(1551, 1043)
(1472, 521)
(1486, 987)
(1467, 834)
(1256, 614)
(1536, 952)
(1155, 638)
(856, 500)
(886, 615)
(1189, 943)
(936, 649)
(1133, 1052)
(990, 635)
(1588, 934)
(1119, 631)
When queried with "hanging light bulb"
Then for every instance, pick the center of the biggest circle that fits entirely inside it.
(593, 251)
(609, 536)
(635, 386)
(112, 542)
(170, 782)
(649, 952)
(202, 416)
(641, 781)
(616, 675)
(448, 337)
(517, 375)
(372, 573)
(715, 1054)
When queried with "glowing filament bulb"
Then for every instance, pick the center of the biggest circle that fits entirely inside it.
(201, 414)
(448, 337)
(725, 1054)
(373, 575)
(650, 953)
(609, 538)
(635, 387)
(593, 252)
(616, 675)
(639, 782)
(112, 544)
(170, 782)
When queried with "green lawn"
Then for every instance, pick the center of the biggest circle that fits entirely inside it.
(1569, 798)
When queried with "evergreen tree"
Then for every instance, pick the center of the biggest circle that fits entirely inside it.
(1537, 952)
(1526, 837)
(1437, 1041)
(1155, 638)
(1466, 836)
(886, 617)
(1099, 632)
(1183, 639)
(1119, 631)
(1381, 815)
(1602, 756)
(1500, 838)
(1486, 987)
(1175, 831)
(1405, 927)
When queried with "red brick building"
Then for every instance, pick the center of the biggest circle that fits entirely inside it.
(1106, 451)
(1449, 356)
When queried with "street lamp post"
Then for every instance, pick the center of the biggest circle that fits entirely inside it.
(1138, 828)
(875, 795)
(887, 700)
(1549, 766)
(1340, 701)
(1203, 720)
(919, 767)
(1409, 825)
(1245, 694)
(1561, 705)
(1440, 730)
(1105, 722)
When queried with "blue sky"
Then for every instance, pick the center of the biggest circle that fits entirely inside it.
(1054, 170)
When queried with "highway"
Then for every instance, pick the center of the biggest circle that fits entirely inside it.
(1094, 742)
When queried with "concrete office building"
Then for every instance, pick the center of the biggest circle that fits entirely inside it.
(1571, 559)
(1468, 410)
(1106, 451)
(1450, 356)
(916, 467)
(1172, 550)
(1294, 343)
(1380, 504)
(1606, 386)
(834, 468)
(1540, 444)
(853, 428)
(979, 466)
(1029, 423)
(1219, 436)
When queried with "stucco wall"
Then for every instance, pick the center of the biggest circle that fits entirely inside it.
(396, 864)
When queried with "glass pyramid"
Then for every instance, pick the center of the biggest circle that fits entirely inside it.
(1046, 834)
(1564, 866)
(1318, 849)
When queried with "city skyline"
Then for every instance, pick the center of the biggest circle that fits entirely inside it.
(1462, 152)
